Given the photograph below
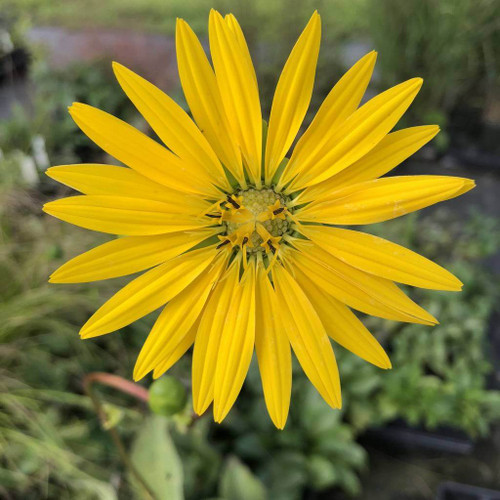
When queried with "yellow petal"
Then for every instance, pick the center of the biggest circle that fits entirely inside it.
(206, 346)
(127, 255)
(387, 154)
(202, 94)
(308, 337)
(240, 37)
(273, 351)
(120, 215)
(138, 151)
(176, 320)
(342, 325)
(178, 352)
(340, 103)
(292, 96)
(360, 133)
(111, 180)
(384, 199)
(236, 345)
(383, 258)
(172, 124)
(237, 83)
(357, 289)
(148, 292)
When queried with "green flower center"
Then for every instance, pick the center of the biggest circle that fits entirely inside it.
(258, 203)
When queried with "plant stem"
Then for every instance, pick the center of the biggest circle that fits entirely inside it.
(129, 388)
(119, 383)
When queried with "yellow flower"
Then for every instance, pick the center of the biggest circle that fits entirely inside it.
(240, 242)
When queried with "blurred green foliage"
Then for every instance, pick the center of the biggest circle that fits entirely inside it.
(159, 16)
(450, 44)
(92, 83)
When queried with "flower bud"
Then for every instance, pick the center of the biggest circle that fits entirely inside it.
(167, 396)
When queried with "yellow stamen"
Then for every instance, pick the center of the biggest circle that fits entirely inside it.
(270, 242)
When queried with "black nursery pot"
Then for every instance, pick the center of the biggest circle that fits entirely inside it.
(399, 437)
(457, 491)
(15, 64)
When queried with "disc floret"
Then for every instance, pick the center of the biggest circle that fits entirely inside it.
(254, 219)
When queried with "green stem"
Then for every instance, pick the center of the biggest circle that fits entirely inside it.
(129, 388)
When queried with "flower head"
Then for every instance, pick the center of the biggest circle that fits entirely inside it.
(242, 247)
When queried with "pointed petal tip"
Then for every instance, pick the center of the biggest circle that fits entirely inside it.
(197, 411)
(371, 56)
(48, 207)
(138, 374)
(214, 13)
(118, 68)
(334, 401)
(418, 82)
(89, 330)
(61, 278)
(200, 408)
(316, 18)
(140, 369)
(76, 107)
(278, 418)
(433, 321)
(50, 172)
(83, 332)
(431, 130)
(220, 412)
(410, 85)
(182, 29)
(87, 334)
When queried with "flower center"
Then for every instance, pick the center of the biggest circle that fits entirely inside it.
(254, 220)
(261, 203)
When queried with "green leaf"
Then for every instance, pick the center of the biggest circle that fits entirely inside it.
(287, 475)
(155, 458)
(322, 472)
(238, 483)
(349, 481)
(101, 490)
